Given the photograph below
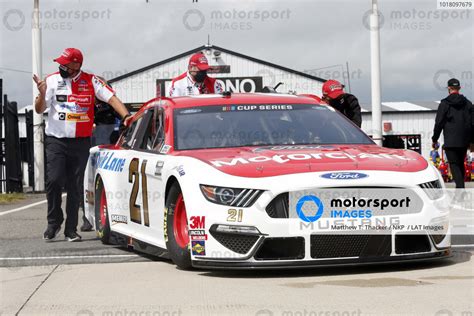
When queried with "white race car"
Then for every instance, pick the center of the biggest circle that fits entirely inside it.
(236, 181)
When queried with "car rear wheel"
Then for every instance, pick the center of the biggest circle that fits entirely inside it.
(101, 213)
(176, 228)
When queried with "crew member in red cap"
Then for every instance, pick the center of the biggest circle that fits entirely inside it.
(70, 95)
(195, 81)
(347, 104)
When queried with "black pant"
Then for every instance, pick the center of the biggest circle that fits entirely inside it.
(456, 156)
(66, 160)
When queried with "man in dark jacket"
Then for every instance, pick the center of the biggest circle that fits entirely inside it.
(455, 118)
(347, 104)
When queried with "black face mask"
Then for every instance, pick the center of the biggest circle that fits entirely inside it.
(64, 73)
(200, 76)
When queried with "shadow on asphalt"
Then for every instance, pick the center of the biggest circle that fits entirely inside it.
(459, 256)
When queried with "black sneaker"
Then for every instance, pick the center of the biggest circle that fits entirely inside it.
(86, 226)
(51, 233)
(72, 236)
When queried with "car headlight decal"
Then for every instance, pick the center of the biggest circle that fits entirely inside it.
(433, 189)
(230, 196)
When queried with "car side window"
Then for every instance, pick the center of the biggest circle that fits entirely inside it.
(154, 135)
(129, 138)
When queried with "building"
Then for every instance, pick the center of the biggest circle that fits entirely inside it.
(406, 124)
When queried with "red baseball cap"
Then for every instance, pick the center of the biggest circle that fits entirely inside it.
(333, 89)
(200, 61)
(70, 55)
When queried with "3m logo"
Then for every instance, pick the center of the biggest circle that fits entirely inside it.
(197, 222)
(79, 98)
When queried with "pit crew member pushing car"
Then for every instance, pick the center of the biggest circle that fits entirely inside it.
(195, 81)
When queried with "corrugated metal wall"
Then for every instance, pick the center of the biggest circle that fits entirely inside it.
(407, 123)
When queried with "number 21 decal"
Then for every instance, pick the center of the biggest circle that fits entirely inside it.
(134, 177)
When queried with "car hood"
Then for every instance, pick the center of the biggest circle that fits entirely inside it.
(281, 160)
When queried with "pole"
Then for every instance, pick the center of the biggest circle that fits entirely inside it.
(37, 118)
(375, 75)
(348, 77)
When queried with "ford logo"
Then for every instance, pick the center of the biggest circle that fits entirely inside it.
(344, 175)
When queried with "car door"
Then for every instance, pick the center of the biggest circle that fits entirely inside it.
(147, 193)
(121, 183)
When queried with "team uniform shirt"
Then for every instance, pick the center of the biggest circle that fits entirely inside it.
(184, 85)
(71, 104)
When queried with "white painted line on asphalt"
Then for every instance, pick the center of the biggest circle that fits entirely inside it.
(26, 206)
(70, 257)
(463, 246)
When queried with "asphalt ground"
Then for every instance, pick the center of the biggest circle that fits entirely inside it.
(89, 278)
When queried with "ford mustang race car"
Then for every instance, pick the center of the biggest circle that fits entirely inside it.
(240, 181)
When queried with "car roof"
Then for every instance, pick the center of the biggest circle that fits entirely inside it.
(232, 99)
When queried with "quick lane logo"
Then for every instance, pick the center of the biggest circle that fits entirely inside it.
(344, 175)
(108, 162)
(310, 199)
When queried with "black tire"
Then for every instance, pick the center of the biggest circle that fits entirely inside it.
(181, 256)
(103, 230)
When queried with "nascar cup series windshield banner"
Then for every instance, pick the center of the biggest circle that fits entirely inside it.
(381, 211)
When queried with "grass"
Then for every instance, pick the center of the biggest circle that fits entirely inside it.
(7, 198)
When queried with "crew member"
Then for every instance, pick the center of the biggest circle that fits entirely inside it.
(347, 104)
(195, 81)
(455, 119)
(69, 94)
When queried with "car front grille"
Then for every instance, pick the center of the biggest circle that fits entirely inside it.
(237, 243)
(342, 246)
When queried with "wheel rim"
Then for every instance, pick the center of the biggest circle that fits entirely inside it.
(180, 223)
(103, 209)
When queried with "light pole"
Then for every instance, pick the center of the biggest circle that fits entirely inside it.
(375, 74)
(38, 141)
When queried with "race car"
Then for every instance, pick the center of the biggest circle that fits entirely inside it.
(235, 181)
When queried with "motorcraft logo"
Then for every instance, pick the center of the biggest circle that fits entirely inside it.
(305, 156)
(344, 175)
(79, 98)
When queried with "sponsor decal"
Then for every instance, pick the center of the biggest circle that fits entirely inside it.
(119, 219)
(61, 97)
(61, 116)
(159, 168)
(109, 162)
(197, 222)
(263, 107)
(73, 108)
(165, 224)
(198, 247)
(165, 149)
(292, 147)
(190, 111)
(235, 215)
(197, 234)
(77, 117)
(62, 85)
(304, 156)
(181, 171)
(79, 98)
(344, 175)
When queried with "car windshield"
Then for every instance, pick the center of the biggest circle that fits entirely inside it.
(262, 125)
